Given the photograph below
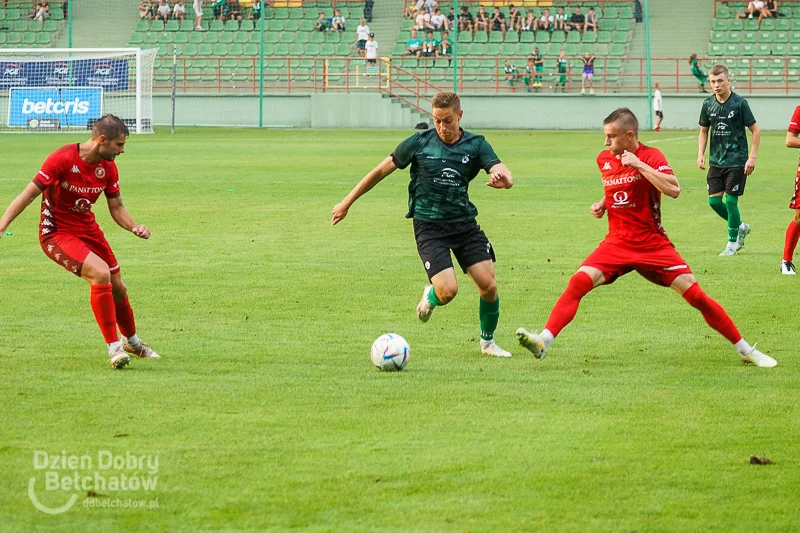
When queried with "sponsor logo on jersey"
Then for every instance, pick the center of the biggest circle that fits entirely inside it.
(620, 198)
(607, 166)
(82, 205)
(57, 256)
(622, 180)
(662, 168)
(84, 190)
(75, 169)
(46, 213)
(45, 177)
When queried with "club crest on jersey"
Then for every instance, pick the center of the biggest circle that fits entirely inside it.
(465, 159)
(65, 185)
(607, 166)
(100, 172)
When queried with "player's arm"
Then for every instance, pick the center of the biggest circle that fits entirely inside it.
(19, 204)
(702, 142)
(598, 209)
(750, 166)
(500, 177)
(124, 219)
(366, 184)
(792, 140)
(666, 183)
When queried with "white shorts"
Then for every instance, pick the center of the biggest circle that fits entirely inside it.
(198, 12)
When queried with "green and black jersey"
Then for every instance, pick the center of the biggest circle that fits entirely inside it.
(727, 133)
(440, 174)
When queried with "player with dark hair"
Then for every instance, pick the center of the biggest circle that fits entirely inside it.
(71, 180)
(443, 162)
(724, 118)
(634, 177)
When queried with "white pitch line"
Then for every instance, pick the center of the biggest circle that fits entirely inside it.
(672, 139)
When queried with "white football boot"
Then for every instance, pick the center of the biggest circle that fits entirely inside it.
(729, 250)
(142, 350)
(744, 231)
(754, 357)
(491, 348)
(787, 268)
(424, 307)
(118, 358)
(533, 342)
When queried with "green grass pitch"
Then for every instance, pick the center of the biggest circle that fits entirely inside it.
(266, 413)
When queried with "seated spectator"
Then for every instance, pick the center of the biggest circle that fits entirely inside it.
(255, 11)
(430, 47)
(152, 10)
(577, 21)
(511, 73)
(514, 18)
(465, 20)
(499, 21)
(216, 8)
(413, 45)
(451, 18)
(560, 20)
(362, 35)
(753, 10)
(65, 9)
(482, 20)
(232, 11)
(322, 23)
(42, 11)
(179, 10)
(770, 10)
(545, 22)
(530, 21)
(446, 47)
(163, 11)
(338, 22)
(439, 21)
(144, 12)
(591, 21)
(423, 21)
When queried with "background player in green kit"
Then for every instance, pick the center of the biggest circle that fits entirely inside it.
(443, 162)
(723, 119)
(563, 67)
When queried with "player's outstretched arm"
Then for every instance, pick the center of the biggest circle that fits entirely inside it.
(750, 166)
(666, 183)
(792, 140)
(500, 177)
(18, 205)
(374, 176)
(702, 142)
(124, 219)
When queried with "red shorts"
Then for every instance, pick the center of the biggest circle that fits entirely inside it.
(70, 251)
(660, 266)
(795, 201)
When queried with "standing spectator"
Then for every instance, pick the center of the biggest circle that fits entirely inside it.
(538, 68)
(362, 35)
(439, 21)
(658, 106)
(179, 10)
(413, 45)
(465, 20)
(430, 47)
(545, 22)
(482, 20)
(577, 21)
(530, 21)
(65, 9)
(338, 22)
(770, 10)
(499, 21)
(446, 47)
(753, 10)
(512, 74)
(588, 73)
(560, 22)
(563, 68)
(322, 23)
(255, 11)
(144, 13)
(527, 77)
(216, 7)
(514, 18)
(697, 73)
(163, 11)
(371, 47)
(591, 21)
(198, 13)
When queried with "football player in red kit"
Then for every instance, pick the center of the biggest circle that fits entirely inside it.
(793, 231)
(71, 180)
(634, 177)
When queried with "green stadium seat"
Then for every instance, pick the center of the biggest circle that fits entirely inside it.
(606, 25)
(173, 25)
(301, 37)
(465, 37)
(781, 37)
(297, 13)
(591, 37)
(217, 25)
(282, 13)
(297, 49)
(780, 49)
(602, 50)
(624, 25)
(750, 25)
(731, 49)
(478, 50)
(43, 38)
(611, 13)
(136, 38)
(508, 49)
(143, 26)
(763, 49)
(512, 37)
(277, 25)
(166, 38)
(768, 25)
(734, 37)
(287, 37)
(186, 26)
(572, 37)
(794, 37)
(246, 25)
(620, 37)
(327, 50)
(765, 37)
(586, 47)
(292, 25)
(617, 50)
(272, 37)
(626, 13)
(50, 26)
(794, 49)
(151, 38)
(526, 37)
(312, 49)
(718, 37)
(747, 49)
(492, 49)
(157, 25)
(281, 49)
(252, 50)
(181, 37)
(190, 50)
(205, 50)
(269, 13)
(604, 37)
(20, 26)
(35, 26)
(28, 38)
(721, 25)
(723, 12)
(737, 25)
(317, 37)
(785, 12)
(13, 14)
(495, 37)
(571, 49)
(242, 37)
(343, 49)
(3, 39)
(783, 25)
(553, 49)
(211, 37)
(543, 37)
(307, 25)
(232, 25)
(14, 38)
(196, 37)
(398, 50)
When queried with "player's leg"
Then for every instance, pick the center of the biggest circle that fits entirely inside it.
(583, 83)
(126, 322)
(715, 315)
(789, 245)
(735, 182)
(97, 273)
(434, 251)
(489, 307)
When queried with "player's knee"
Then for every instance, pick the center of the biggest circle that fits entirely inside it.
(796, 218)
(119, 290)
(446, 292)
(488, 292)
(96, 274)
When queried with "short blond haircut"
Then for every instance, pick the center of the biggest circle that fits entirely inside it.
(444, 100)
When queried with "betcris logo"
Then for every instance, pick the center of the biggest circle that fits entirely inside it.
(72, 107)
(13, 75)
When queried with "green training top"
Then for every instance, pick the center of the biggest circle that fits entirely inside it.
(726, 123)
(440, 174)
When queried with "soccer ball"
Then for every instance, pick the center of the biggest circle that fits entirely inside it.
(390, 352)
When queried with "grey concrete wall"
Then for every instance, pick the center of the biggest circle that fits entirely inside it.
(291, 111)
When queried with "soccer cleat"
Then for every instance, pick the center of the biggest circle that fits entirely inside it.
(118, 358)
(424, 307)
(491, 348)
(533, 342)
(142, 350)
(787, 268)
(744, 231)
(729, 250)
(754, 357)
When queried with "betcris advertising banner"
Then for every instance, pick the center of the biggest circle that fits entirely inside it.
(110, 74)
(69, 107)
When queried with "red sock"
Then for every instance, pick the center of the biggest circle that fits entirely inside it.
(792, 235)
(714, 314)
(103, 309)
(125, 317)
(567, 305)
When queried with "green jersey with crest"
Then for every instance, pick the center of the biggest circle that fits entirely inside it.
(440, 174)
(727, 123)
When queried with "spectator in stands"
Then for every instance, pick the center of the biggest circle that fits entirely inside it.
(232, 11)
(511, 73)
(423, 21)
(430, 47)
(371, 48)
(529, 22)
(439, 21)
(144, 12)
(255, 11)
(42, 11)
(451, 18)
(563, 68)
(658, 106)
(514, 18)
(163, 11)
(538, 68)
(545, 22)
(770, 10)
(591, 21)
(588, 73)
(465, 20)
(577, 21)
(65, 9)
(362, 35)
(322, 23)
(413, 45)
(153, 10)
(697, 73)
(338, 22)
(198, 14)
(560, 20)
(446, 47)
(179, 10)
(482, 20)
(499, 21)
(753, 10)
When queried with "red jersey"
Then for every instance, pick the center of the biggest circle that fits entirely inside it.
(794, 125)
(71, 186)
(633, 203)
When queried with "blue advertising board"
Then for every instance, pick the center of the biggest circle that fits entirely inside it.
(110, 74)
(69, 107)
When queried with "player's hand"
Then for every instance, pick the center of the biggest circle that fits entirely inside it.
(750, 166)
(339, 212)
(598, 209)
(141, 231)
(630, 160)
(499, 180)
(701, 162)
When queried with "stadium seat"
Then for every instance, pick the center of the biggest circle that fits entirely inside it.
(591, 37)
(626, 12)
(190, 50)
(283, 13)
(287, 37)
(543, 37)
(252, 50)
(28, 38)
(301, 37)
(166, 38)
(312, 50)
(272, 37)
(281, 49)
(732, 49)
(211, 37)
(794, 49)
(620, 37)
(232, 25)
(297, 49)
(307, 25)
(205, 50)
(226, 37)
(181, 37)
(749, 37)
(737, 25)
(571, 49)
(43, 38)
(495, 37)
(136, 38)
(783, 25)
(763, 49)
(750, 24)
(765, 37)
(151, 38)
(572, 37)
(50, 26)
(35, 26)
(157, 25)
(196, 37)
(478, 50)
(242, 37)
(297, 13)
(617, 50)
(246, 25)
(143, 26)
(560, 37)
(768, 25)
(624, 25)
(20, 26)
(292, 25)
(721, 25)
(492, 50)
(606, 25)
(14, 38)
(600, 50)
(217, 25)
(723, 12)
(747, 49)
(173, 25)
(610, 13)
(508, 49)
(780, 49)
(317, 37)
(343, 49)
(781, 37)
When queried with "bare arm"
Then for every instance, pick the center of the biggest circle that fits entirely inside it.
(19, 204)
(366, 184)
(792, 140)
(124, 219)
(500, 177)
(666, 183)
(702, 142)
(598, 209)
(750, 166)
